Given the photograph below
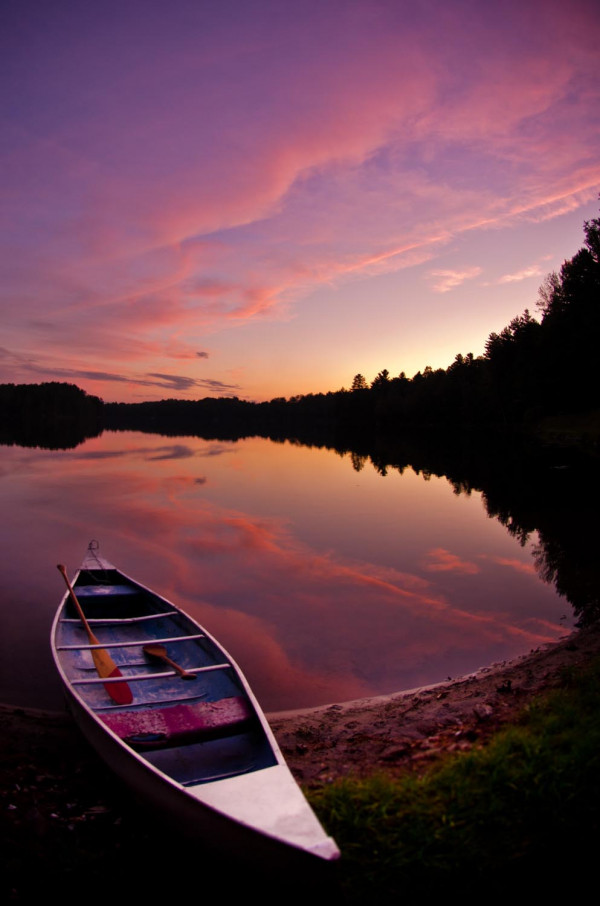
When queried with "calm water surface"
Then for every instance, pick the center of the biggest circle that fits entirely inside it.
(325, 583)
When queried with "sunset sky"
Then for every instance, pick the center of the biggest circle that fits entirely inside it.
(262, 198)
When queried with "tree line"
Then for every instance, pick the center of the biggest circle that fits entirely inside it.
(54, 414)
(531, 369)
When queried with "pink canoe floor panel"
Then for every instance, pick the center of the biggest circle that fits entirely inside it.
(179, 724)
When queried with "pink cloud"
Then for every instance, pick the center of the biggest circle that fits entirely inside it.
(447, 280)
(526, 273)
(512, 563)
(442, 560)
(222, 171)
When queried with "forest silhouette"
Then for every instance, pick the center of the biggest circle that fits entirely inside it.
(55, 415)
(531, 371)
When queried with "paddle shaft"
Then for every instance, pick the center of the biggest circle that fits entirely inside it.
(86, 625)
(160, 652)
(104, 664)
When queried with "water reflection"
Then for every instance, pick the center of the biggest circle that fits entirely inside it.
(325, 580)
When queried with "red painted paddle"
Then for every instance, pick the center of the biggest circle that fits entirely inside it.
(104, 664)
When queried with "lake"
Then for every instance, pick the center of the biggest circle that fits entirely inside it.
(326, 580)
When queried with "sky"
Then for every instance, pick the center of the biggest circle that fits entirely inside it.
(264, 198)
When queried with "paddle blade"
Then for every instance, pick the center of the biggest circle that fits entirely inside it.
(106, 667)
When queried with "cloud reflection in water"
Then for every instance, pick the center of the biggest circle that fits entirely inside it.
(413, 583)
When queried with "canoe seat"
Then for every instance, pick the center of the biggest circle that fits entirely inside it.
(175, 725)
(102, 591)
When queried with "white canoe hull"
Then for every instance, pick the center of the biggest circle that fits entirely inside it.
(256, 806)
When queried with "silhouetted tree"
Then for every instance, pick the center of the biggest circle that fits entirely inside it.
(359, 382)
(381, 380)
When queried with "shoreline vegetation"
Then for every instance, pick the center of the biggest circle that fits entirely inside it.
(403, 781)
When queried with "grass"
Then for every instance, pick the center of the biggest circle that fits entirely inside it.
(520, 816)
(522, 812)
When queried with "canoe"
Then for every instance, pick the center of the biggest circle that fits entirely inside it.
(201, 751)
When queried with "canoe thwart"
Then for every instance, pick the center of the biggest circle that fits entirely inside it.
(95, 591)
(119, 621)
(137, 677)
(136, 643)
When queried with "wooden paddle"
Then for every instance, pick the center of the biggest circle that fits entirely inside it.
(104, 664)
(160, 651)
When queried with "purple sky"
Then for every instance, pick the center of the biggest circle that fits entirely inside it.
(263, 198)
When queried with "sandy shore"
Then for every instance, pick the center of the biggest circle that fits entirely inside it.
(58, 798)
(409, 729)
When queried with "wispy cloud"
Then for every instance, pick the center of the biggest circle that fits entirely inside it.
(511, 563)
(180, 382)
(47, 368)
(441, 560)
(173, 451)
(446, 280)
(526, 273)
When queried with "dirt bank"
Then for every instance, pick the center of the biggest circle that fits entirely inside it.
(412, 728)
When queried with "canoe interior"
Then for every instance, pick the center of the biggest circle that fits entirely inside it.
(193, 731)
